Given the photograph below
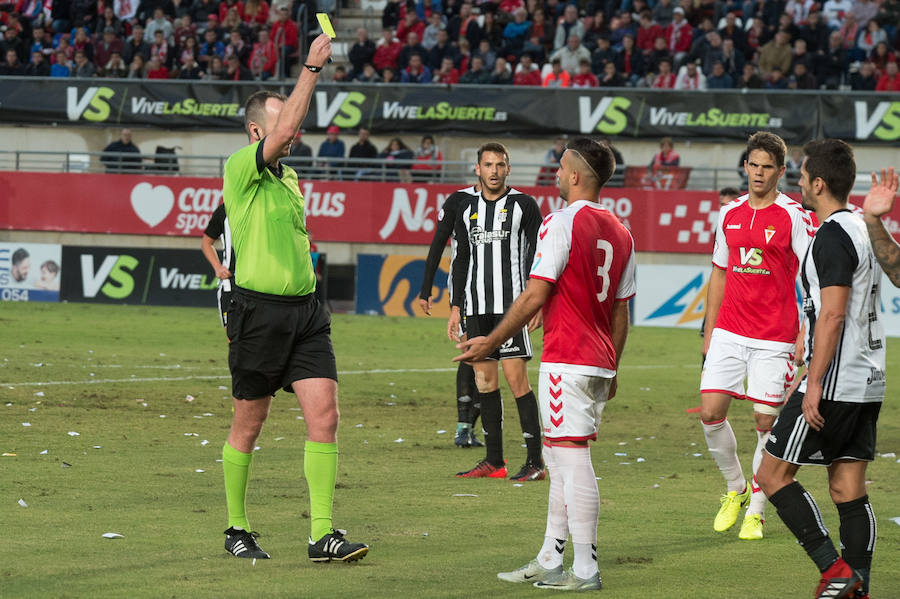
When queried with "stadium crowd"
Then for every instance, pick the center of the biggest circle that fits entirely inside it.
(665, 44)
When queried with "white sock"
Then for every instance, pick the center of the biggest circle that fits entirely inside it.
(723, 448)
(582, 505)
(758, 498)
(550, 555)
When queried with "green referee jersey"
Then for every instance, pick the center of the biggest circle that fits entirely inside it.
(268, 225)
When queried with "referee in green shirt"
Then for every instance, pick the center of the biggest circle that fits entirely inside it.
(279, 333)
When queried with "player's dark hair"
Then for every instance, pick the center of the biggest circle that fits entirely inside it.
(255, 107)
(598, 156)
(19, 255)
(832, 161)
(769, 143)
(51, 266)
(493, 146)
(729, 191)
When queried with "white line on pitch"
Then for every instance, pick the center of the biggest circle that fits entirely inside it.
(225, 376)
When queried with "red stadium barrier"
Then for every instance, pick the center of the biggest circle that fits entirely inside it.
(396, 213)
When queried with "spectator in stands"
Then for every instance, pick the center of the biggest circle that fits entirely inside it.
(332, 148)
(647, 33)
(802, 78)
(679, 35)
(390, 14)
(542, 32)
(666, 155)
(190, 70)
(362, 52)
(571, 54)
(464, 56)
(864, 80)
(664, 78)
(711, 53)
(82, 67)
(718, 78)
(210, 48)
(263, 57)
(881, 56)
(397, 151)
(890, 80)
(491, 30)
(663, 12)
(516, 32)
(430, 35)
(527, 73)
(690, 77)
(135, 45)
(864, 11)
(776, 53)
(160, 23)
(237, 46)
(849, 32)
(871, 36)
(62, 67)
(215, 69)
(815, 32)
(798, 9)
(732, 59)
(416, 71)
(285, 35)
(156, 69)
(620, 27)
(387, 50)
(465, 25)
(411, 47)
(256, 13)
(203, 11)
(792, 166)
(441, 50)
(776, 79)
(410, 24)
(547, 173)
(570, 25)
(233, 21)
(184, 31)
(114, 67)
(369, 74)
(83, 42)
(630, 62)
(447, 74)
(733, 31)
(109, 19)
(227, 5)
(799, 54)
(105, 48)
(38, 67)
(12, 66)
(362, 149)
(502, 73)
(477, 74)
(611, 77)
(121, 155)
(235, 70)
(557, 77)
(137, 67)
(833, 65)
(301, 153)
(584, 77)
(594, 28)
(659, 52)
(756, 37)
(602, 55)
(428, 160)
(487, 54)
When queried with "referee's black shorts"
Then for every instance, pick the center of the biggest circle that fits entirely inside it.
(848, 433)
(276, 340)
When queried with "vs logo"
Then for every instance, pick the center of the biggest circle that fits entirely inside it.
(344, 110)
(93, 105)
(610, 116)
(751, 256)
(883, 123)
(114, 277)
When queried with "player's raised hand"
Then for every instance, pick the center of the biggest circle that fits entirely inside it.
(319, 51)
(426, 305)
(474, 350)
(880, 199)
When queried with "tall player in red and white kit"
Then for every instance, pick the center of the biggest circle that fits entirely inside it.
(583, 276)
(752, 322)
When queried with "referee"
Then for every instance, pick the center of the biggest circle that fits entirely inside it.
(279, 333)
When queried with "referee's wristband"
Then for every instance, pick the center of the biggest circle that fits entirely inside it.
(313, 68)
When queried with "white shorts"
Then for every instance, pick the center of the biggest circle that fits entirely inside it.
(571, 405)
(728, 363)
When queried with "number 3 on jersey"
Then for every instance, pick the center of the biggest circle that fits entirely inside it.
(603, 270)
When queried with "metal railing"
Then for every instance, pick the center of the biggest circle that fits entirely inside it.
(325, 169)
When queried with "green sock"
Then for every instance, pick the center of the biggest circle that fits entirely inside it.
(320, 468)
(236, 466)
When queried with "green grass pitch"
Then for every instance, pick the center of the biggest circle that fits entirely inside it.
(147, 391)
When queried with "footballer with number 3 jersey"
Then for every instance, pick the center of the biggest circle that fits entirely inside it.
(752, 322)
(582, 277)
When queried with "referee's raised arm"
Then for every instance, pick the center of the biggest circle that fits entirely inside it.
(295, 108)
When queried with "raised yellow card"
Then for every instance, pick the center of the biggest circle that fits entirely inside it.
(325, 24)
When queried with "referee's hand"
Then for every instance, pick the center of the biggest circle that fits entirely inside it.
(319, 51)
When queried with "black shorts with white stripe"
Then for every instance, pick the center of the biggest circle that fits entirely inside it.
(517, 346)
(224, 300)
(848, 433)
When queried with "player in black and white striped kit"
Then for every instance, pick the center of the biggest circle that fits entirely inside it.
(831, 419)
(218, 228)
(496, 231)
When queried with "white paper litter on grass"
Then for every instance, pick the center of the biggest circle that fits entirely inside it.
(697, 455)
(43, 452)
(441, 432)
(199, 470)
(26, 424)
(223, 388)
(889, 454)
(162, 415)
(189, 398)
(22, 503)
(32, 409)
(98, 447)
(390, 403)
(207, 414)
(465, 495)
(895, 520)
(623, 443)
(620, 454)
(655, 485)
(518, 485)
(112, 535)
(39, 394)
(398, 440)
(359, 425)
(254, 562)
(279, 438)
(640, 460)
(74, 434)
(204, 442)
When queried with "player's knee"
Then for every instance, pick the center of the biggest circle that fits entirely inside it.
(712, 414)
(765, 416)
